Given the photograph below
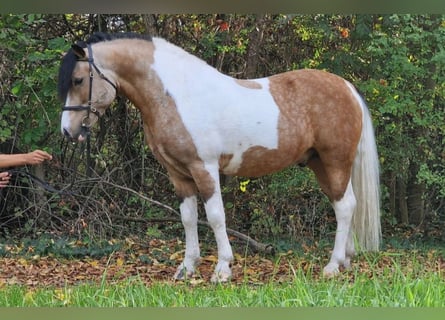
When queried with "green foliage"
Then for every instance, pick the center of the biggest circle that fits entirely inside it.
(406, 93)
(30, 109)
(283, 206)
(48, 245)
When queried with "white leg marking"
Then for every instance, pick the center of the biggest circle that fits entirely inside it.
(189, 216)
(216, 217)
(344, 209)
(350, 249)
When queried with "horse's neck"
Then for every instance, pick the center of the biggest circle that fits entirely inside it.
(184, 74)
(153, 72)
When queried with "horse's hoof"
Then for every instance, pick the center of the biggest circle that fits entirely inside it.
(183, 274)
(221, 277)
(347, 264)
(331, 270)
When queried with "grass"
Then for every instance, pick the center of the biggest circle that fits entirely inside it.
(401, 281)
(427, 292)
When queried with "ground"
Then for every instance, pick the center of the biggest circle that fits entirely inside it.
(156, 260)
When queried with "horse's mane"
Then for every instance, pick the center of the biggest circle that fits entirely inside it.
(70, 59)
(101, 36)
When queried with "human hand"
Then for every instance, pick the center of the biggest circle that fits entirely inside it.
(37, 157)
(4, 178)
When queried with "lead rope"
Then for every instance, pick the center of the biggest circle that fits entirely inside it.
(45, 185)
(87, 127)
(88, 152)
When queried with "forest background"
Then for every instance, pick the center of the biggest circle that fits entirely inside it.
(397, 61)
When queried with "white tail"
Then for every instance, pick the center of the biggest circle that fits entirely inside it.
(366, 186)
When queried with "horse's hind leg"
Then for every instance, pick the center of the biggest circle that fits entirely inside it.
(336, 183)
(343, 246)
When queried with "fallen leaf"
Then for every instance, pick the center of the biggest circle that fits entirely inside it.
(177, 255)
(210, 258)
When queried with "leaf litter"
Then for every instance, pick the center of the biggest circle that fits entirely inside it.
(156, 261)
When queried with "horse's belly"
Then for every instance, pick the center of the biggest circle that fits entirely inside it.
(255, 162)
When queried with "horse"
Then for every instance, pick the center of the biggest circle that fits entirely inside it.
(200, 123)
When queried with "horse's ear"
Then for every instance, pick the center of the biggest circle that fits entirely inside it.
(78, 51)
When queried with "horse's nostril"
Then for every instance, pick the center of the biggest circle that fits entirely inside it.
(66, 133)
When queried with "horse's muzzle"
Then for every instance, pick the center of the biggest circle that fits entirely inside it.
(78, 137)
(66, 133)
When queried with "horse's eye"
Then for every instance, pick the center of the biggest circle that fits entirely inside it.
(77, 81)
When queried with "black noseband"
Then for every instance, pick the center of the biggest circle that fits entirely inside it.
(89, 108)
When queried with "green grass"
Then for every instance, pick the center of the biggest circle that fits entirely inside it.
(400, 282)
(427, 292)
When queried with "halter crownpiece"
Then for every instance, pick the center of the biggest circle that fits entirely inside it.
(89, 108)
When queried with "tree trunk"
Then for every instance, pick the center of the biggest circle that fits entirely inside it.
(255, 40)
(403, 205)
(415, 199)
(393, 195)
(150, 24)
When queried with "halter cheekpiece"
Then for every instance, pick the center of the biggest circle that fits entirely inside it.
(89, 108)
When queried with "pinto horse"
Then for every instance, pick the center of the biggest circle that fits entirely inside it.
(199, 123)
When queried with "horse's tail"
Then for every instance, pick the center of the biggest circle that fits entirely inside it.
(365, 183)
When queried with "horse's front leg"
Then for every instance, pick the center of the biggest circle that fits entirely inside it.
(189, 217)
(207, 180)
(216, 217)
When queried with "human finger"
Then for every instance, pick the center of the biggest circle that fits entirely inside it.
(4, 178)
(44, 155)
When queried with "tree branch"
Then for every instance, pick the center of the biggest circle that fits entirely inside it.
(253, 244)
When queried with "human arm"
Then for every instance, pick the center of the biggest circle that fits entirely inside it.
(21, 159)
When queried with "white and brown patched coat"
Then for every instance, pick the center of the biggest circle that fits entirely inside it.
(200, 123)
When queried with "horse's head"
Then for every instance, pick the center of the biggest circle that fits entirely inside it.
(87, 90)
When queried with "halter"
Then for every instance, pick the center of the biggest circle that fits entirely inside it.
(89, 108)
